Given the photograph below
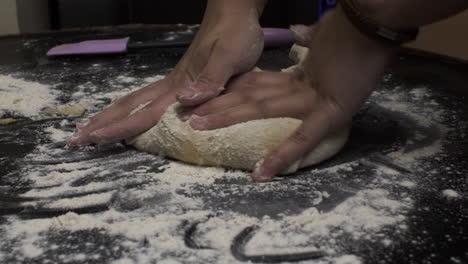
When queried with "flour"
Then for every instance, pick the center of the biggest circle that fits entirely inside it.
(125, 85)
(348, 259)
(122, 85)
(57, 135)
(150, 219)
(451, 194)
(24, 98)
(31, 251)
(407, 184)
(428, 116)
(360, 216)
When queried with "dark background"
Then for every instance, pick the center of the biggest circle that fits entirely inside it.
(85, 13)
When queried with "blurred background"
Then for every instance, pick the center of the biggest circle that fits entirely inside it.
(448, 37)
(27, 16)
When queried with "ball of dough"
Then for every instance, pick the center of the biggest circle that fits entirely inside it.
(239, 146)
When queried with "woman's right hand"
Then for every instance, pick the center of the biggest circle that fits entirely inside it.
(229, 43)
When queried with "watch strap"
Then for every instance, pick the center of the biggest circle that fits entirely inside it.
(372, 29)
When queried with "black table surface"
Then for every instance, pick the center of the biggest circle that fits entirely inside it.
(437, 225)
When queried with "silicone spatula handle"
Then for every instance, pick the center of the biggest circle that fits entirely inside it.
(274, 37)
(278, 37)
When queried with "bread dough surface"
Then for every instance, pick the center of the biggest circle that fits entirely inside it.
(239, 146)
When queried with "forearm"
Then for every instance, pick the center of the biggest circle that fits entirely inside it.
(237, 7)
(403, 14)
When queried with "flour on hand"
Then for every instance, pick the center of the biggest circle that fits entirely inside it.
(240, 146)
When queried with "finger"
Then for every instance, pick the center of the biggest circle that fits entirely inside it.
(271, 108)
(303, 34)
(245, 89)
(117, 111)
(305, 138)
(133, 125)
(221, 103)
(211, 81)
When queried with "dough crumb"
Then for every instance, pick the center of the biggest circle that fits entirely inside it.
(7, 121)
(70, 110)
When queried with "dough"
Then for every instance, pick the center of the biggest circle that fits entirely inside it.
(298, 53)
(7, 121)
(239, 146)
(70, 110)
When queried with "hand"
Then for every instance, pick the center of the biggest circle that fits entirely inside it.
(341, 70)
(228, 43)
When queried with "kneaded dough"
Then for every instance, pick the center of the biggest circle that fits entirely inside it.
(239, 146)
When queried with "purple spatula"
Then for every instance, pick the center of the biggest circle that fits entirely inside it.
(274, 37)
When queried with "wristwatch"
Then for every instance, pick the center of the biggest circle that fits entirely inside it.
(372, 29)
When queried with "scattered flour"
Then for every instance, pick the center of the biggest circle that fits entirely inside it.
(451, 194)
(31, 251)
(24, 98)
(348, 259)
(57, 135)
(359, 216)
(156, 212)
(407, 184)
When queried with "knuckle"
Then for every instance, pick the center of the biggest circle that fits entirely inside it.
(187, 76)
(206, 79)
(261, 108)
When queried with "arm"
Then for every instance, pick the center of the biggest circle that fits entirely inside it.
(410, 13)
(237, 8)
(339, 73)
(229, 42)
(358, 60)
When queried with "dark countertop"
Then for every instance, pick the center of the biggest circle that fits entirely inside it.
(434, 228)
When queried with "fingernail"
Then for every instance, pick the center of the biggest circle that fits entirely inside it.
(258, 173)
(199, 123)
(299, 29)
(82, 124)
(190, 93)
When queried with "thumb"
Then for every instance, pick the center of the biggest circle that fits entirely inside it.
(210, 82)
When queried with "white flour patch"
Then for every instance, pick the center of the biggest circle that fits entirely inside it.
(158, 222)
(407, 184)
(152, 202)
(24, 98)
(57, 135)
(125, 85)
(426, 114)
(348, 259)
(122, 85)
(450, 194)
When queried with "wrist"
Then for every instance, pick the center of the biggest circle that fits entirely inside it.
(358, 40)
(359, 17)
(385, 13)
(237, 8)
